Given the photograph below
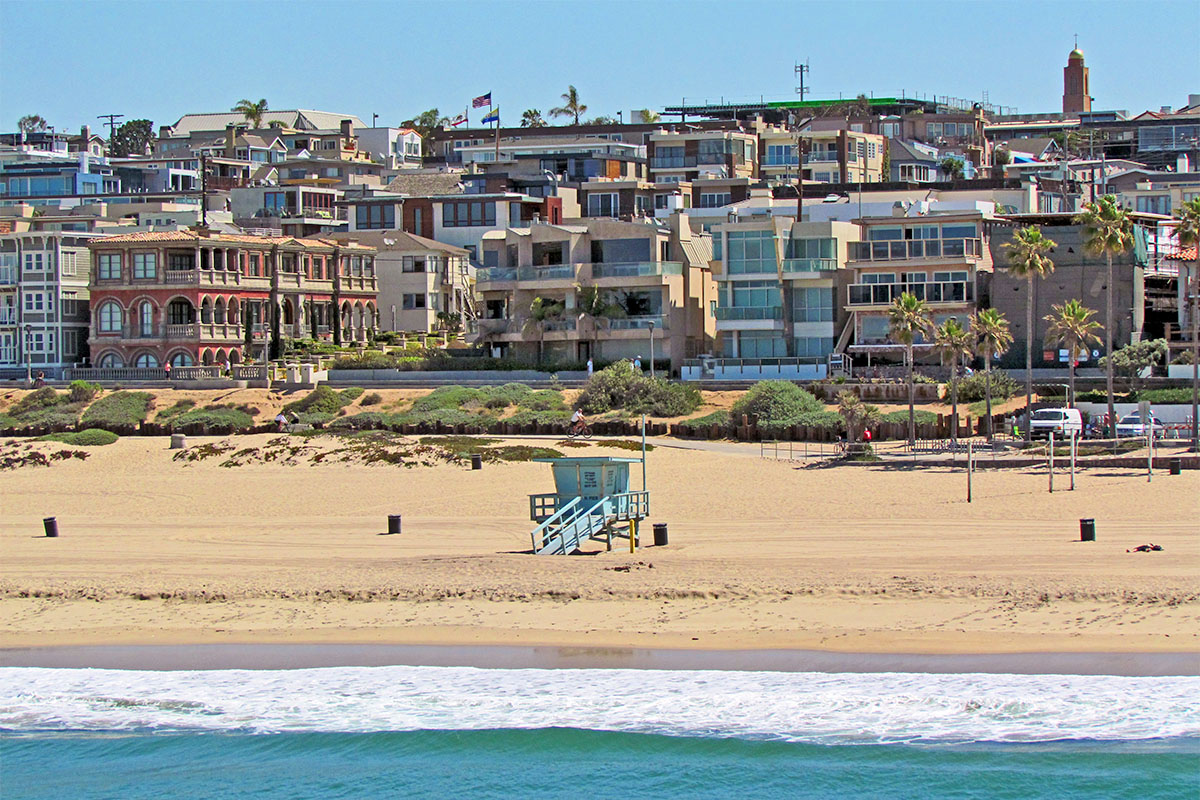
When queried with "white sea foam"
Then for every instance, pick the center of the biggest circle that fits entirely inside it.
(808, 707)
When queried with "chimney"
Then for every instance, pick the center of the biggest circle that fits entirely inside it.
(1165, 110)
(1183, 163)
(230, 140)
(347, 129)
(85, 133)
(1193, 100)
(164, 131)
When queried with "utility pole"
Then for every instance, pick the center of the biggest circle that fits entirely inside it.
(112, 123)
(203, 189)
(800, 70)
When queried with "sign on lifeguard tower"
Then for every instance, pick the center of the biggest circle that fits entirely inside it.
(590, 500)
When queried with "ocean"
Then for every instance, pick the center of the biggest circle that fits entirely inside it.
(585, 734)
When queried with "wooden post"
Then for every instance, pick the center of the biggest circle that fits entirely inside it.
(970, 466)
(1074, 447)
(1149, 451)
(632, 535)
(1050, 454)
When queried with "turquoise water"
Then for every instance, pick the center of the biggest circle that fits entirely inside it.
(587, 734)
(555, 763)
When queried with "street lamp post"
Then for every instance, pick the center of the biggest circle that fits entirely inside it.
(553, 177)
(651, 348)
(28, 356)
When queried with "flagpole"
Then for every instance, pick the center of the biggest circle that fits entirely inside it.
(497, 133)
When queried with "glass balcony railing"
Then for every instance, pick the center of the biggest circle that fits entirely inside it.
(781, 161)
(750, 313)
(636, 323)
(636, 269)
(491, 274)
(559, 325)
(8, 276)
(553, 272)
(810, 265)
(672, 162)
(877, 294)
(821, 156)
(917, 248)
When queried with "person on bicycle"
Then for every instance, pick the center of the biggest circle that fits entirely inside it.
(578, 422)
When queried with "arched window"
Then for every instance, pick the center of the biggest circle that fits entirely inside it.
(219, 311)
(111, 317)
(206, 312)
(146, 318)
(181, 360)
(146, 360)
(111, 361)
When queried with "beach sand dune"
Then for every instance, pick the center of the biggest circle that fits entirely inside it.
(763, 554)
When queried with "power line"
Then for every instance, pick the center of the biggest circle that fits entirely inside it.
(112, 123)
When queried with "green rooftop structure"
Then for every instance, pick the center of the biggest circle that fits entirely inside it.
(591, 500)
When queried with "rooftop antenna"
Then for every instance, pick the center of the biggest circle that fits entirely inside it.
(800, 70)
(112, 123)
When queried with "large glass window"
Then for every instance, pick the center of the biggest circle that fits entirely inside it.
(375, 216)
(813, 346)
(761, 344)
(469, 214)
(603, 204)
(813, 305)
(713, 151)
(145, 266)
(714, 199)
(752, 294)
(811, 248)
(781, 155)
(750, 252)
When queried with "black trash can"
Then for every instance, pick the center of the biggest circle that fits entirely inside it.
(1087, 530)
(393, 523)
(51, 526)
(660, 534)
(476, 461)
(1176, 466)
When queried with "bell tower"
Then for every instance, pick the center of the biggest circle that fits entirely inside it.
(1075, 83)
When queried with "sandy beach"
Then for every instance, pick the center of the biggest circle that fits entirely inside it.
(764, 555)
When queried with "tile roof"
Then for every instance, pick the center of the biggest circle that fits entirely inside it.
(300, 119)
(1184, 254)
(423, 185)
(193, 236)
(400, 240)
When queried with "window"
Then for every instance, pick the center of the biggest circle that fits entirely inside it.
(413, 301)
(418, 218)
(35, 262)
(146, 361)
(111, 318)
(781, 155)
(145, 266)
(811, 248)
(38, 303)
(413, 264)
(603, 204)
(146, 318)
(714, 200)
(812, 305)
(752, 294)
(750, 252)
(469, 214)
(181, 261)
(69, 305)
(761, 344)
(375, 216)
(110, 361)
(641, 204)
(70, 343)
(813, 346)
(108, 266)
(1149, 204)
(890, 129)
(713, 151)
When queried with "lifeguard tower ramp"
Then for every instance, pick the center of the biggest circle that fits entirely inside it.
(591, 501)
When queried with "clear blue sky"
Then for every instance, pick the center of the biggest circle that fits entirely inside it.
(70, 60)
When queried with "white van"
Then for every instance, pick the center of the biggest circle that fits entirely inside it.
(1062, 422)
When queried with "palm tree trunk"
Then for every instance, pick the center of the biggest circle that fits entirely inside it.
(1108, 377)
(954, 402)
(1071, 380)
(1196, 350)
(987, 391)
(912, 400)
(1029, 362)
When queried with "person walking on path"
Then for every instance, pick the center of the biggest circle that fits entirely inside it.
(637, 363)
(590, 367)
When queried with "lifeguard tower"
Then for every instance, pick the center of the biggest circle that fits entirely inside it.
(591, 499)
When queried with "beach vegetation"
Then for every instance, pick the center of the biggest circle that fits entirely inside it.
(776, 405)
(857, 415)
(372, 399)
(349, 395)
(82, 391)
(1133, 359)
(1028, 259)
(321, 400)
(908, 319)
(92, 437)
(165, 415)
(992, 339)
(921, 416)
(1072, 327)
(974, 388)
(620, 386)
(119, 409)
(215, 419)
(703, 424)
(955, 344)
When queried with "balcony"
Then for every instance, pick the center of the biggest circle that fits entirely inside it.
(821, 157)
(8, 276)
(559, 325)
(187, 331)
(491, 327)
(495, 274)
(882, 294)
(809, 265)
(553, 272)
(637, 323)
(740, 313)
(180, 276)
(8, 316)
(636, 269)
(915, 249)
(672, 162)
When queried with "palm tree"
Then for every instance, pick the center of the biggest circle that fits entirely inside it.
(532, 118)
(542, 311)
(907, 318)
(952, 167)
(993, 336)
(253, 112)
(32, 123)
(955, 344)
(571, 106)
(1187, 229)
(591, 303)
(857, 415)
(1108, 231)
(1072, 327)
(1027, 259)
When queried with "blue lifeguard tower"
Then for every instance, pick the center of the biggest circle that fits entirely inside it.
(591, 499)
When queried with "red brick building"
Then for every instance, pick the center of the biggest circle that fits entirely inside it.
(188, 297)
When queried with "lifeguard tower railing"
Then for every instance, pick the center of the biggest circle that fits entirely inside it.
(565, 525)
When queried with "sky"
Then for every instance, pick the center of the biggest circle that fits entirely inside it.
(72, 60)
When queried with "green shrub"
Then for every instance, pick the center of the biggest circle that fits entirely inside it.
(93, 437)
(1178, 396)
(351, 394)
(372, 399)
(167, 414)
(360, 422)
(542, 400)
(45, 397)
(921, 417)
(510, 394)
(321, 400)
(620, 386)
(445, 397)
(118, 409)
(82, 391)
(704, 423)
(775, 402)
(971, 389)
(543, 416)
(314, 417)
(215, 417)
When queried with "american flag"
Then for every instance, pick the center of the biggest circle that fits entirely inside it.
(482, 100)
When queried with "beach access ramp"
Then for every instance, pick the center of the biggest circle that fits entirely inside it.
(592, 501)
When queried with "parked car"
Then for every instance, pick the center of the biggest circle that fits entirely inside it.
(1131, 425)
(1062, 422)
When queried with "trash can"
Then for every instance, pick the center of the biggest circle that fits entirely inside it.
(393, 523)
(51, 526)
(1087, 530)
(476, 461)
(660, 534)
(1176, 466)
(178, 441)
